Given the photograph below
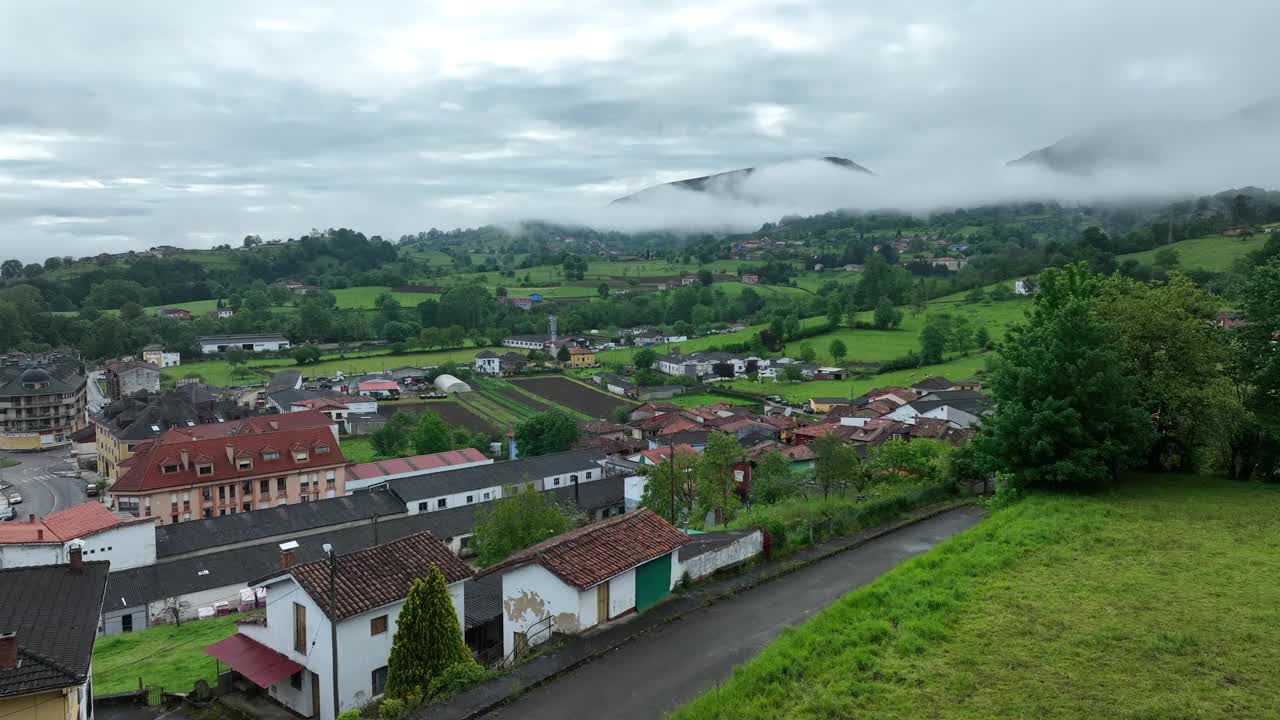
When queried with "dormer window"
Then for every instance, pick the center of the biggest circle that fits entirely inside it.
(245, 463)
(322, 449)
(270, 455)
(204, 469)
(300, 455)
(170, 468)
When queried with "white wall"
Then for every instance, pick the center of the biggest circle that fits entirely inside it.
(622, 593)
(12, 556)
(633, 487)
(732, 554)
(157, 615)
(587, 601)
(454, 500)
(126, 546)
(531, 593)
(587, 473)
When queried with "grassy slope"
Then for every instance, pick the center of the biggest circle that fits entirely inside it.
(1215, 252)
(363, 296)
(169, 656)
(1159, 600)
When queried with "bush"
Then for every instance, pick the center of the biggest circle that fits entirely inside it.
(909, 361)
(390, 709)
(352, 714)
(457, 678)
(796, 523)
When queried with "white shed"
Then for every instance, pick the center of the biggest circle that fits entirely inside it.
(451, 384)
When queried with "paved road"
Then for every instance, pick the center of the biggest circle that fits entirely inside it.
(42, 491)
(95, 399)
(669, 666)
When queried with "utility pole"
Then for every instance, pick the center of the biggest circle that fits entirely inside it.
(333, 621)
(671, 460)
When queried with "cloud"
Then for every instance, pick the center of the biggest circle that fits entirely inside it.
(217, 121)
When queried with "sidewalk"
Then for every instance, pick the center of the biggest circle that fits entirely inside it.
(577, 651)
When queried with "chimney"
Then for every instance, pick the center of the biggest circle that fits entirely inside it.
(231, 454)
(31, 518)
(40, 535)
(182, 455)
(76, 557)
(286, 559)
(8, 651)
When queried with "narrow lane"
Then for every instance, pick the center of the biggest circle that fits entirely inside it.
(669, 666)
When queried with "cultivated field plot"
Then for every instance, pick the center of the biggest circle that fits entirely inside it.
(450, 410)
(573, 395)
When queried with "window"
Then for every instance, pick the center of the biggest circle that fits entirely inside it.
(295, 680)
(271, 455)
(167, 469)
(556, 482)
(378, 625)
(222, 492)
(379, 680)
(486, 496)
(245, 464)
(264, 487)
(471, 498)
(204, 469)
(300, 455)
(126, 623)
(588, 474)
(280, 485)
(322, 449)
(299, 628)
(330, 477)
(206, 493)
(245, 488)
(424, 506)
(442, 503)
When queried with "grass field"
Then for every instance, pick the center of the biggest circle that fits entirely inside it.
(362, 297)
(1215, 253)
(1158, 600)
(357, 448)
(169, 656)
(696, 399)
(218, 372)
(962, 368)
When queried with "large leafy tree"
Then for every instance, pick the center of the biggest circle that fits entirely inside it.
(715, 474)
(835, 463)
(1067, 416)
(432, 434)
(547, 432)
(392, 438)
(428, 638)
(522, 517)
(1175, 358)
(772, 479)
(1253, 438)
(672, 487)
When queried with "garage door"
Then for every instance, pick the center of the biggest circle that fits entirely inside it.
(653, 581)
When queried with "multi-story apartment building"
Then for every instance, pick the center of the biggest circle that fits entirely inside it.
(183, 476)
(42, 400)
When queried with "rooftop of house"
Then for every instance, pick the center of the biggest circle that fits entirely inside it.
(54, 612)
(581, 351)
(245, 527)
(398, 466)
(121, 366)
(660, 454)
(236, 561)
(285, 379)
(252, 425)
(143, 417)
(934, 382)
(40, 374)
(589, 555)
(512, 472)
(486, 355)
(157, 466)
(602, 427)
(379, 575)
(234, 339)
(379, 385)
(63, 526)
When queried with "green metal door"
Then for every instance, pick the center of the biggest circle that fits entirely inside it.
(653, 582)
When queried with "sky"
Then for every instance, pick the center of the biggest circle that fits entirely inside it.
(128, 125)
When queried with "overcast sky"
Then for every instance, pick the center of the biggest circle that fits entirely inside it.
(130, 124)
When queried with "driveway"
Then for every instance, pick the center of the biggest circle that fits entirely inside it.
(670, 665)
(42, 491)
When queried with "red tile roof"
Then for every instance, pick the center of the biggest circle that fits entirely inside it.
(581, 351)
(657, 455)
(379, 575)
(679, 425)
(372, 385)
(433, 461)
(255, 425)
(59, 527)
(319, 404)
(590, 555)
(144, 470)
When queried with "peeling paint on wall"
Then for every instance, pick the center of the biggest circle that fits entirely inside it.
(566, 622)
(525, 602)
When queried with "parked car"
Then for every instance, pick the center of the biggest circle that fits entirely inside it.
(15, 499)
(91, 489)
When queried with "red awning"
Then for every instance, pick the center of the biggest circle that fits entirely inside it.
(262, 665)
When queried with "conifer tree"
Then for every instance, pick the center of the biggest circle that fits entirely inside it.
(428, 639)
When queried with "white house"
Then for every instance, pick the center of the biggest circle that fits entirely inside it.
(587, 577)
(488, 363)
(100, 533)
(156, 355)
(249, 343)
(287, 650)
